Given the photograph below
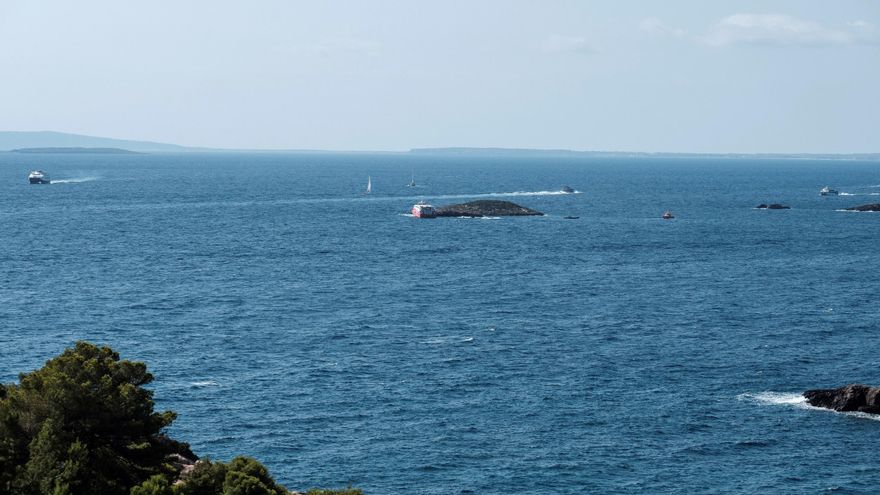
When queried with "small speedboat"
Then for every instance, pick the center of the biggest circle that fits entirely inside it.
(827, 191)
(423, 210)
(38, 177)
(567, 190)
(667, 215)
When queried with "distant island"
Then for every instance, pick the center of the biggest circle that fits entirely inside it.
(531, 152)
(486, 208)
(32, 140)
(19, 140)
(78, 150)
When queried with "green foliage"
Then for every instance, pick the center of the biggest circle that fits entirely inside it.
(206, 479)
(242, 476)
(156, 485)
(339, 491)
(82, 424)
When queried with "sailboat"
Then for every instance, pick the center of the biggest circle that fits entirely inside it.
(412, 182)
(369, 186)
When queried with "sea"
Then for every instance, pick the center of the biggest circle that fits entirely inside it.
(290, 317)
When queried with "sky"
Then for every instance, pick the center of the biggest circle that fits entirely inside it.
(633, 75)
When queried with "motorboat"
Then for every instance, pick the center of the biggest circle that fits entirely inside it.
(38, 177)
(827, 191)
(567, 190)
(423, 210)
(667, 215)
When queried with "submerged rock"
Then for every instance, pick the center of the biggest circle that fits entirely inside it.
(774, 206)
(854, 397)
(486, 208)
(870, 207)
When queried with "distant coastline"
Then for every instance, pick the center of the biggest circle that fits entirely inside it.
(59, 142)
(636, 154)
(77, 150)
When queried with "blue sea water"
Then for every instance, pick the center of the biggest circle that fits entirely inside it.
(289, 317)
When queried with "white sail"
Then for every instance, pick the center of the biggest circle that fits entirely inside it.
(369, 185)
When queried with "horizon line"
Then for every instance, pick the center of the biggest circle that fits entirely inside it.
(427, 149)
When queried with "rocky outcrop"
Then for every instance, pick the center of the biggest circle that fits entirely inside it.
(854, 397)
(486, 208)
(870, 207)
(774, 206)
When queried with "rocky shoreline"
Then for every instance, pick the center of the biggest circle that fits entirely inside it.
(854, 397)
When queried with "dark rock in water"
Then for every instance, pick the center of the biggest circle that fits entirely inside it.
(871, 207)
(854, 397)
(485, 208)
(774, 206)
(571, 217)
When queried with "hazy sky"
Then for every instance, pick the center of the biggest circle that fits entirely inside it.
(726, 76)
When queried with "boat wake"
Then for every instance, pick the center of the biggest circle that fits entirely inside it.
(74, 180)
(535, 193)
(859, 194)
(797, 401)
(492, 195)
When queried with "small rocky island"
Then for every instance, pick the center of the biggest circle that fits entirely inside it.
(486, 208)
(854, 397)
(870, 207)
(774, 206)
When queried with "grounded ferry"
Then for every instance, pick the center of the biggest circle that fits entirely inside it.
(423, 210)
(38, 177)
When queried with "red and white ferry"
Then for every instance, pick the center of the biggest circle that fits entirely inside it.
(423, 210)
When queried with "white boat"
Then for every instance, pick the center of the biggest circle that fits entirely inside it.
(827, 191)
(38, 177)
(412, 182)
(369, 186)
(423, 210)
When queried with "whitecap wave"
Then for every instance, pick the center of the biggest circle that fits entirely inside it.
(205, 383)
(75, 180)
(797, 400)
(775, 398)
(451, 339)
